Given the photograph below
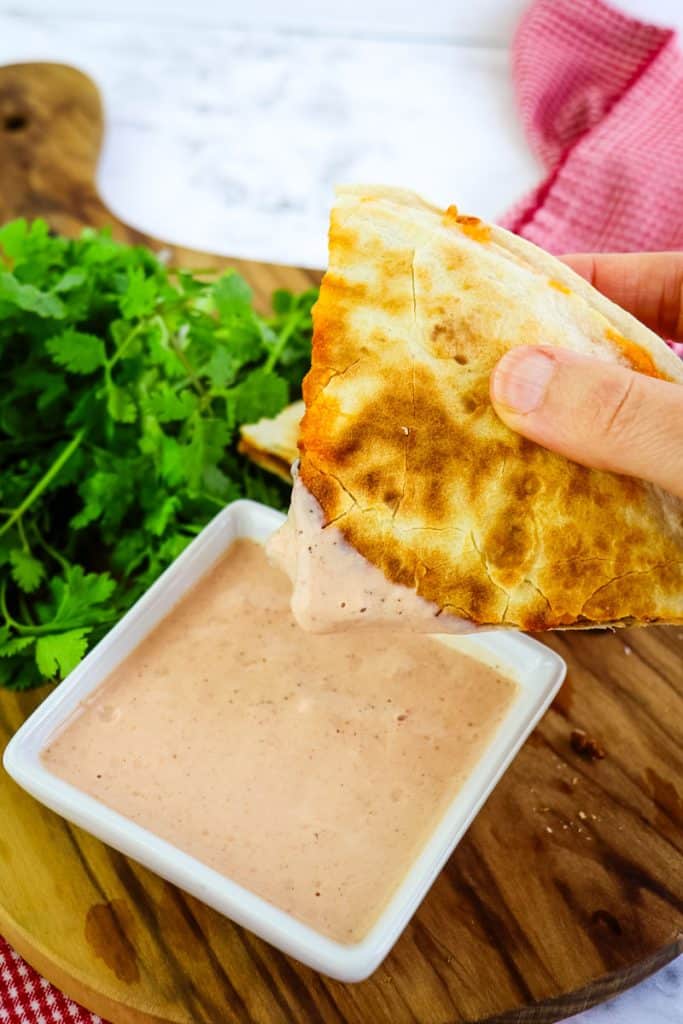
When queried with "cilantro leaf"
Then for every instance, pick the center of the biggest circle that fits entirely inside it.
(219, 483)
(168, 405)
(232, 295)
(23, 242)
(173, 463)
(120, 405)
(105, 495)
(77, 351)
(12, 237)
(73, 278)
(61, 652)
(221, 367)
(29, 298)
(27, 571)
(140, 295)
(77, 593)
(15, 645)
(260, 394)
(158, 519)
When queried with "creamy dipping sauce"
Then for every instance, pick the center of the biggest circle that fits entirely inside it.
(335, 588)
(309, 769)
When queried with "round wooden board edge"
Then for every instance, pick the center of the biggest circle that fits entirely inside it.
(60, 975)
(601, 989)
(547, 1012)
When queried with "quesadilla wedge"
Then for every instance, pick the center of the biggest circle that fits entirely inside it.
(272, 442)
(413, 502)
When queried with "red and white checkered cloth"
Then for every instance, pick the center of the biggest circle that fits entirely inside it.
(601, 98)
(26, 998)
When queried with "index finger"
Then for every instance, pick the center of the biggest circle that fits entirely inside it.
(649, 285)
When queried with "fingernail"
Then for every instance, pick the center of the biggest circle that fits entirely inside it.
(521, 379)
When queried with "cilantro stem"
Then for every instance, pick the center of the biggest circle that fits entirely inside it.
(25, 610)
(284, 336)
(22, 536)
(210, 497)
(49, 628)
(193, 528)
(4, 609)
(188, 367)
(64, 562)
(125, 343)
(161, 324)
(45, 628)
(44, 482)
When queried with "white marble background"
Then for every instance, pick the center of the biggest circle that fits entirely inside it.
(228, 125)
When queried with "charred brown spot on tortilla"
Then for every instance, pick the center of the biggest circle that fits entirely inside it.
(401, 571)
(372, 481)
(602, 543)
(508, 542)
(630, 589)
(480, 596)
(345, 290)
(583, 572)
(477, 397)
(346, 448)
(534, 623)
(580, 483)
(334, 349)
(443, 337)
(524, 484)
(453, 339)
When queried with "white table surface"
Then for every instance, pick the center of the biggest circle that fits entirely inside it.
(228, 125)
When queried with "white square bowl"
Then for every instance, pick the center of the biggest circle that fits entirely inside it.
(538, 671)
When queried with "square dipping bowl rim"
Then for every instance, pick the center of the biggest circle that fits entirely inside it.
(537, 669)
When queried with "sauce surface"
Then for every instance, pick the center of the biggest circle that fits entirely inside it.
(309, 769)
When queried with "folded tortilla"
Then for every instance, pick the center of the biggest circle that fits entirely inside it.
(272, 442)
(409, 481)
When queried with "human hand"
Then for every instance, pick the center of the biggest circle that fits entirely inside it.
(601, 414)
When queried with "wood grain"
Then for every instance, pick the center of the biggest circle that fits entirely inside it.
(567, 888)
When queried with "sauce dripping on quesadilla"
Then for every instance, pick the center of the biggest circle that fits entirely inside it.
(335, 588)
(308, 769)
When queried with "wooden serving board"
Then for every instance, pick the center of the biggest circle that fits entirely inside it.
(567, 888)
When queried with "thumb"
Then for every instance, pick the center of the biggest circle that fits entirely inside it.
(600, 414)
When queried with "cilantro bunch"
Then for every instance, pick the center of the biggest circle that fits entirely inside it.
(123, 386)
